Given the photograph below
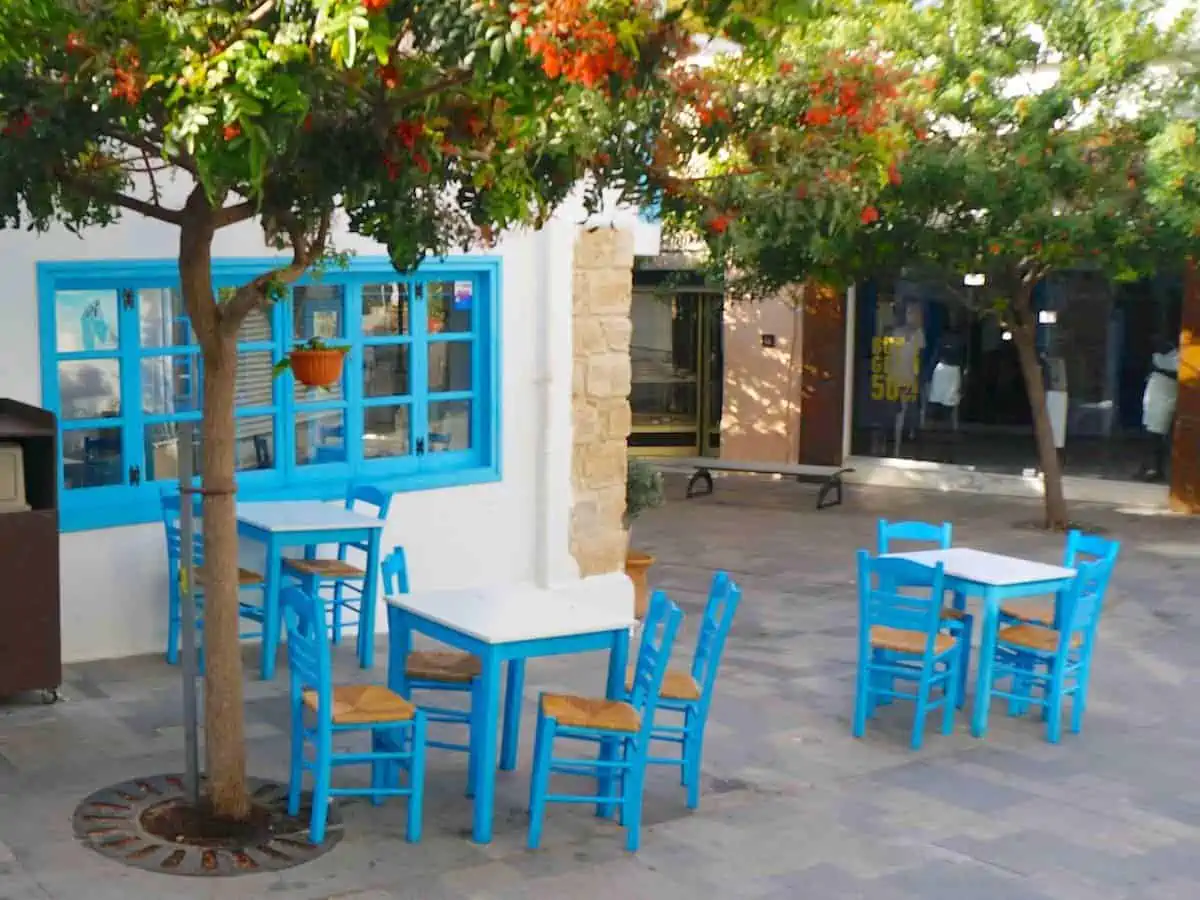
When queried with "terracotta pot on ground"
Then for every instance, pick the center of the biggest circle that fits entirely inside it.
(637, 567)
(317, 368)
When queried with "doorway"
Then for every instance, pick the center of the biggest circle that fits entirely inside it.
(677, 372)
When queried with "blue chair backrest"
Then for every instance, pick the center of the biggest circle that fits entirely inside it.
(1089, 547)
(309, 660)
(171, 505)
(394, 571)
(941, 536)
(366, 495)
(659, 630)
(880, 601)
(724, 596)
(1084, 599)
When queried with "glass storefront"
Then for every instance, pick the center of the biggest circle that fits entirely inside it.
(936, 376)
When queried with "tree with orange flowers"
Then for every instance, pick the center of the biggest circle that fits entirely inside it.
(425, 126)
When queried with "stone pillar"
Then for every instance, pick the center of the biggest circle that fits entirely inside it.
(602, 292)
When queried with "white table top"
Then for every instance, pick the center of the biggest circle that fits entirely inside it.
(504, 615)
(302, 515)
(982, 567)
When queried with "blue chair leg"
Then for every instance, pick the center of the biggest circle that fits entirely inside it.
(296, 777)
(380, 768)
(862, 698)
(689, 723)
(337, 612)
(918, 732)
(320, 804)
(632, 783)
(416, 779)
(964, 663)
(950, 703)
(540, 782)
(1054, 704)
(1079, 699)
(695, 752)
(1022, 687)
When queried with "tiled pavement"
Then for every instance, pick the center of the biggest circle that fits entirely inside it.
(793, 806)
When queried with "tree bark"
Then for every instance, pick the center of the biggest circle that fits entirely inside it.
(224, 715)
(1025, 337)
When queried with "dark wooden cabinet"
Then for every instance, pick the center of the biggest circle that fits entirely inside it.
(30, 625)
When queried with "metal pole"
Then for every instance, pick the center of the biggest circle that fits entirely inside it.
(187, 603)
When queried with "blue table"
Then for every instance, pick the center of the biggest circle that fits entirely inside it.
(995, 579)
(308, 524)
(505, 625)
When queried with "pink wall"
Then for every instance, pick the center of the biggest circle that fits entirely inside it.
(760, 419)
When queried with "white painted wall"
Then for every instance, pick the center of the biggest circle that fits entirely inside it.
(114, 580)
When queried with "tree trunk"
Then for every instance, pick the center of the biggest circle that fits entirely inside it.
(224, 715)
(1025, 337)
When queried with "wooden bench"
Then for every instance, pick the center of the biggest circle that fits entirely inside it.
(828, 477)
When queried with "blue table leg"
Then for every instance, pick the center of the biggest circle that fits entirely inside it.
(485, 716)
(618, 661)
(399, 646)
(366, 616)
(513, 691)
(987, 659)
(271, 623)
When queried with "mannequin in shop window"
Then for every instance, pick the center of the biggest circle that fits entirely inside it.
(906, 341)
(1158, 408)
(946, 380)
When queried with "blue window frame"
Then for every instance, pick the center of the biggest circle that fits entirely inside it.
(417, 408)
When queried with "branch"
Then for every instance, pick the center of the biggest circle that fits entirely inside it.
(253, 294)
(116, 198)
(151, 146)
(462, 76)
(232, 215)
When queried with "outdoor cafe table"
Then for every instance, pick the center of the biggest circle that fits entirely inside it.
(505, 625)
(995, 579)
(309, 523)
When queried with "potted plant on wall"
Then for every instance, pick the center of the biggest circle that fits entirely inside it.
(314, 363)
(643, 491)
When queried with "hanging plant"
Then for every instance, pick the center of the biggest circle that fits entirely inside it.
(314, 363)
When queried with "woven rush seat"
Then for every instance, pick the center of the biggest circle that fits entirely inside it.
(443, 665)
(1034, 611)
(325, 568)
(900, 640)
(364, 704)
(246, 577)
(588, 712)
(949, 613)
(676, 685)
(1035, 637)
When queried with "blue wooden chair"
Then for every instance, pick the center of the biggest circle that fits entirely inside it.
(433, 670)
(690, 693)
(315, 574)
(1079, 547)
(956, 620)
(624, 727)
(900, 639)
(320, 711)
(248, 580)
(1046, 664)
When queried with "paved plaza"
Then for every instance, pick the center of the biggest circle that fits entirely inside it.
(793, 807)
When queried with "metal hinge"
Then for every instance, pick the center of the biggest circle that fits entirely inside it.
(127, 298)
(420, 446)
(135, 476)
(419, 290)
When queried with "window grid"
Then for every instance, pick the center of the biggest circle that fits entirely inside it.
(160, 379)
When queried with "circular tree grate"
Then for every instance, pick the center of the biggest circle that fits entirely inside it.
(148, 823)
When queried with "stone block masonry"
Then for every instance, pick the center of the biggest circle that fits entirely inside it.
(602, 294)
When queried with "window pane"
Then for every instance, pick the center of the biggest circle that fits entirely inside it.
(255, 447)
(162, 450)
(93, 457)
(320, 437)
(449, 426)
(162, 320)
(86, 320)
(317, 312)
(89, 389)
(170, 384)
(386, 431)
(449, 306)
(386, 370)
(449, 366)
(385, 310)
(255, 379)
(256, 327)
(305, 394)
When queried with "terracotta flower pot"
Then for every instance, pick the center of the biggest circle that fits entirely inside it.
(637, 567)
(317, 368)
